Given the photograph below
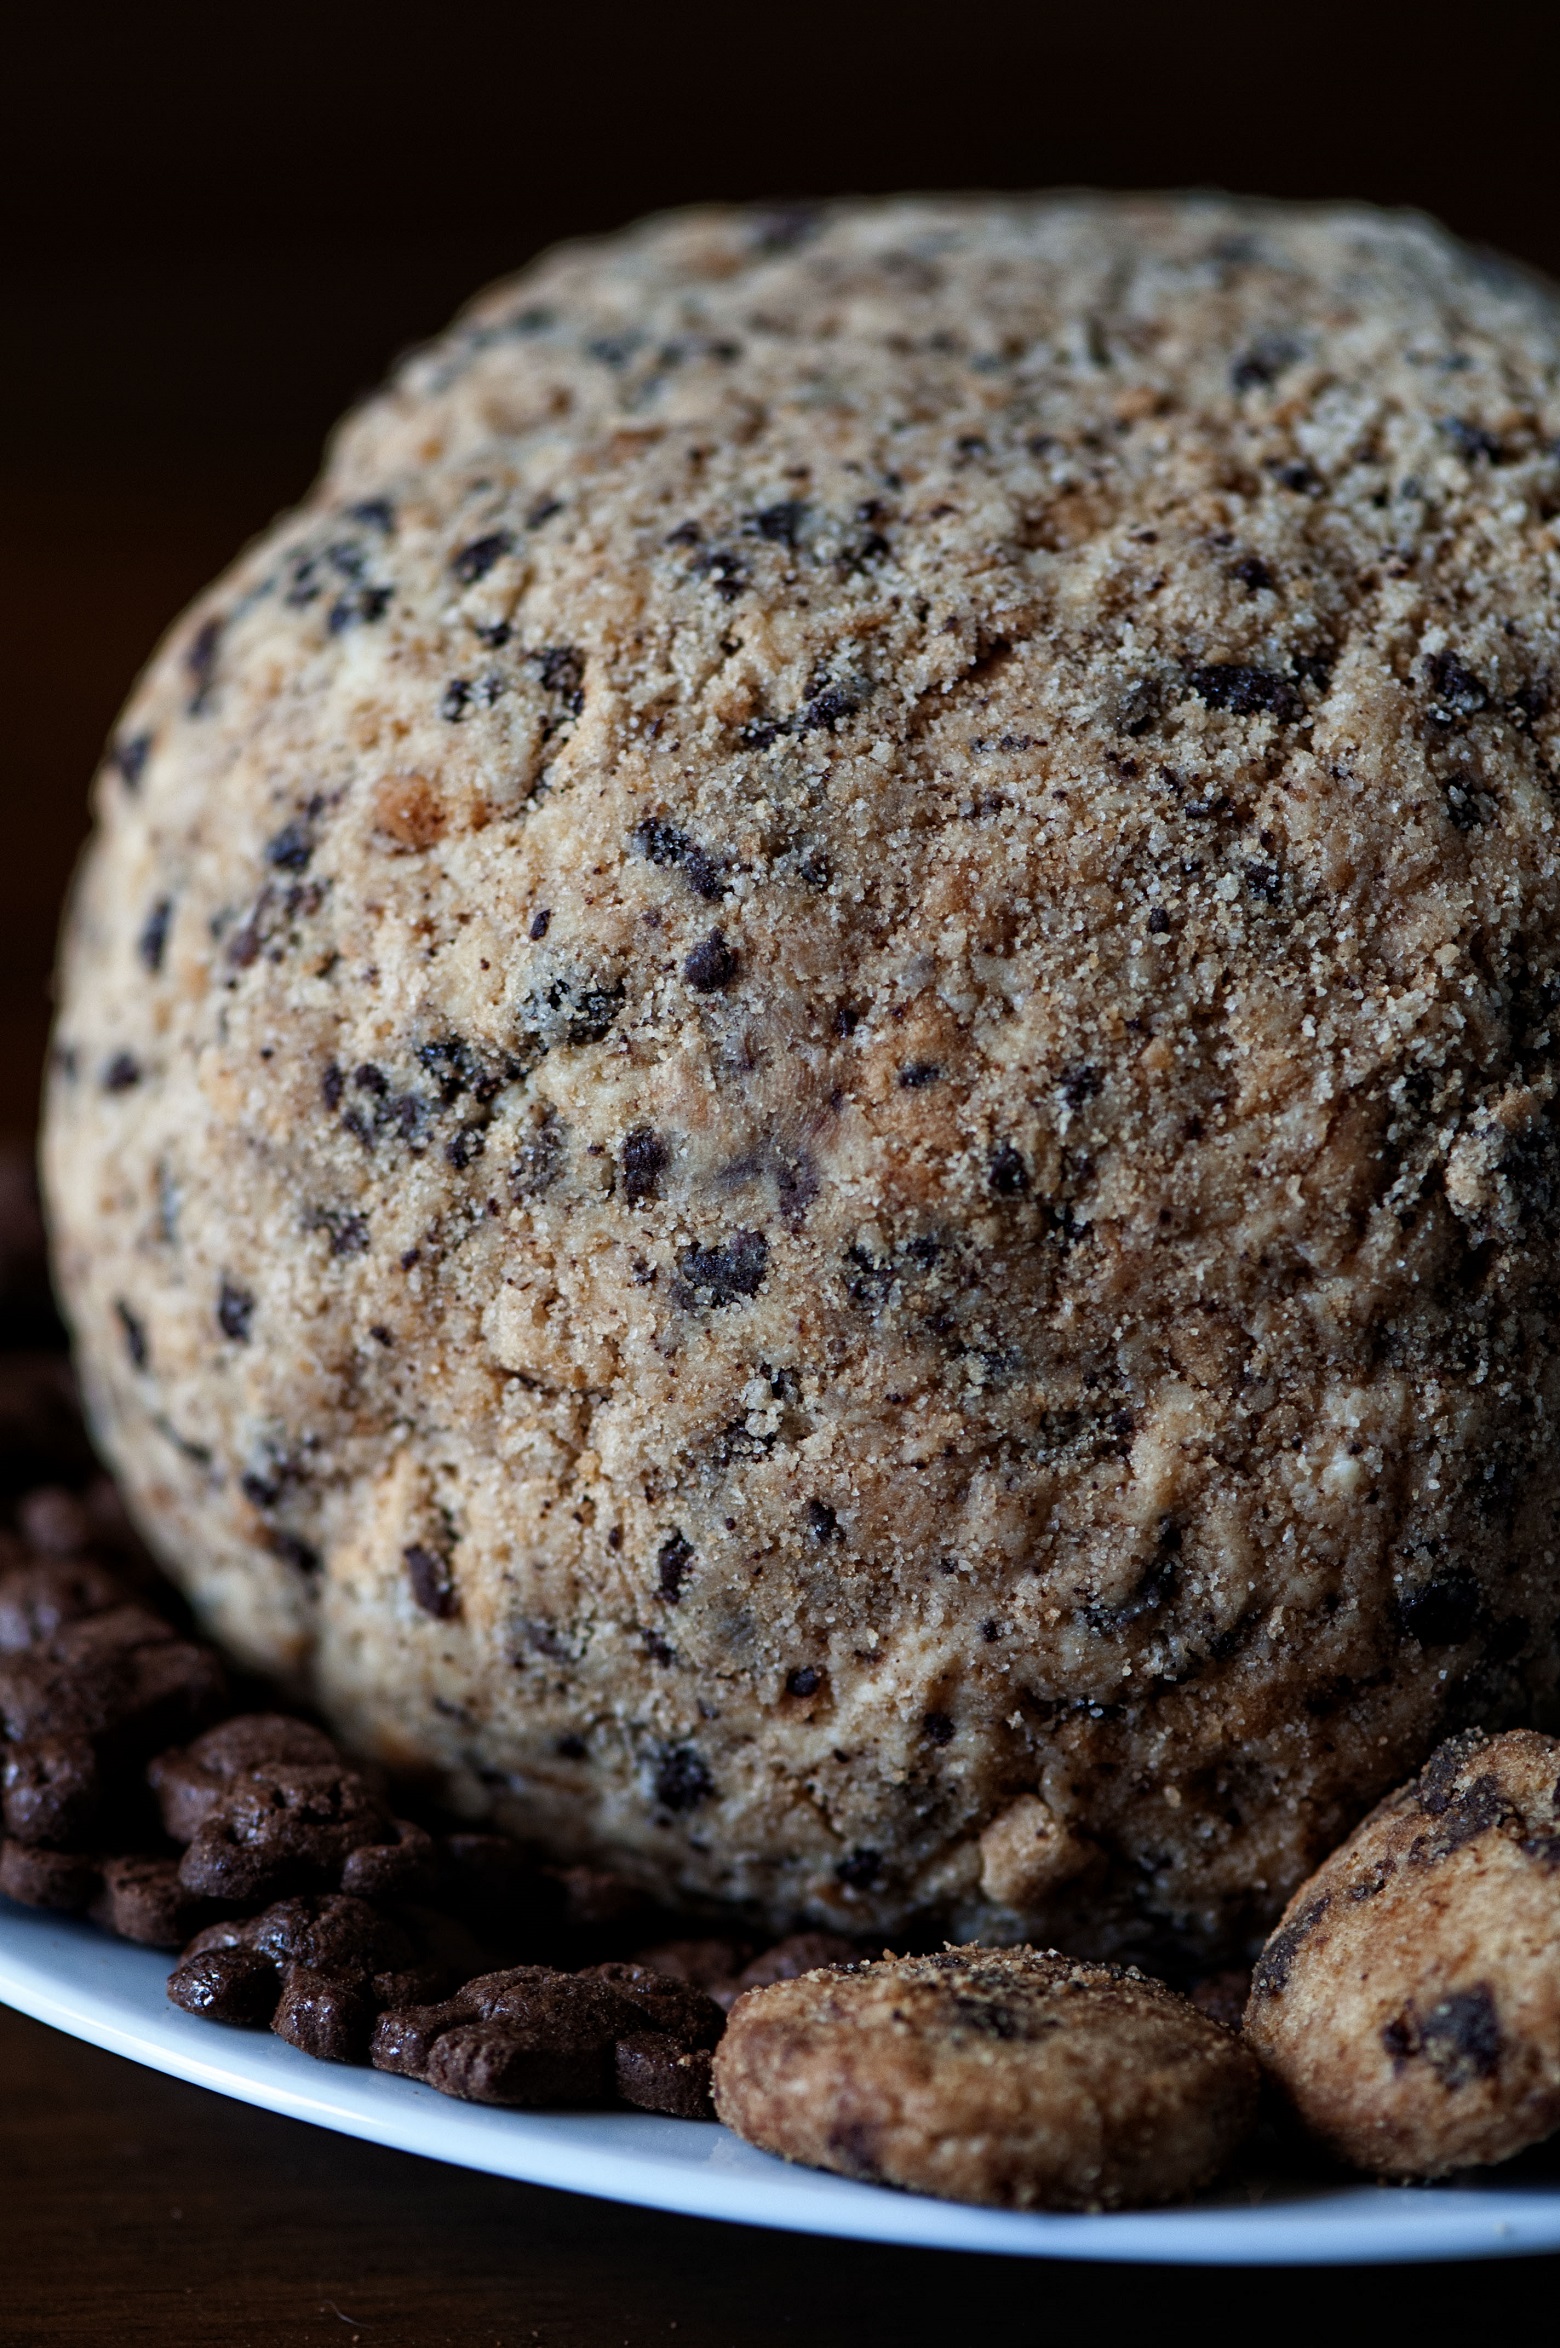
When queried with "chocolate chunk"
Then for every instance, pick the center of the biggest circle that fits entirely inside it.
(52, 1790)
(433, 1585)
(226, 1985)
(62, 1880)
(328, 2018)
(711, 965)
(143, 1900)
(655, 2074)
(644, 1161)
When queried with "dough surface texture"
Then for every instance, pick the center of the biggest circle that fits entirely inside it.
(1007, 2076)
(803, 1110)
(1409, 2002)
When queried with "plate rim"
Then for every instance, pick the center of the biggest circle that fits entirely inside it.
(109, 1994)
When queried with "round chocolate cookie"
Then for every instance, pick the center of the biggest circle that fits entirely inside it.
(803, 1104)
(995, 2075)
(1409, 2003)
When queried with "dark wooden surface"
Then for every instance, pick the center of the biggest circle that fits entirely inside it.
(145, 2214)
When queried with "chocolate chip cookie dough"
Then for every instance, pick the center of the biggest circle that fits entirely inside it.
(1409, 2003)
(803, 1107)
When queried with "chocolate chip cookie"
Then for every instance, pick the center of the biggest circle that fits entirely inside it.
(1409, 2002)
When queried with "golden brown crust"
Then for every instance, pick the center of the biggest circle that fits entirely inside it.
(1409, 2002)
(1005, 2076)
(804, 1080)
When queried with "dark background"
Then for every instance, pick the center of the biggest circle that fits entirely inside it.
(218, 224)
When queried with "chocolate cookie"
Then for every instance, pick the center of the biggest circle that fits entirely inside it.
(993, 2075)
(1409, 2002)
(804, 1104)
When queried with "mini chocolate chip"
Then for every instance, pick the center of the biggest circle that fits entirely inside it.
(1006, 1172)
(1442, 1610)
(235, 1310)
(200, 663)
(466, 1146)
(121, 1072)
(433, 1585)
(644, 1161)
(456, 700)
(674, 1562)
(805, 1680)
(1246, 692)
(682, 1779)
(1253, 573)
(291, 848)
(1078, 1083)
(861, 1868)
(915, 1075)
(1158, 921)
(331, 1085)
(135, 1334)
(937, 1728)
(129, 757)
(822, 1522)
(780, 523)
(153, 940)
(473, 562)
(663, 843)
(711, 965)
(540, 922)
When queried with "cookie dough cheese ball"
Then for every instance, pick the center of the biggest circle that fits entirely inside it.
(1409, 2003)
(990, 2075)
(802, 1114)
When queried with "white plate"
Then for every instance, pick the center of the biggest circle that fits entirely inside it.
(112, 1995)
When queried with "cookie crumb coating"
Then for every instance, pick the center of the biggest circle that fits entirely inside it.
(802, 1117)
(1409, 2002)
(1007, 2076)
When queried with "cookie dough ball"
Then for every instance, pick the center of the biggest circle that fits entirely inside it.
(803, 1106)
(1409, 2002)
(995, 2075)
